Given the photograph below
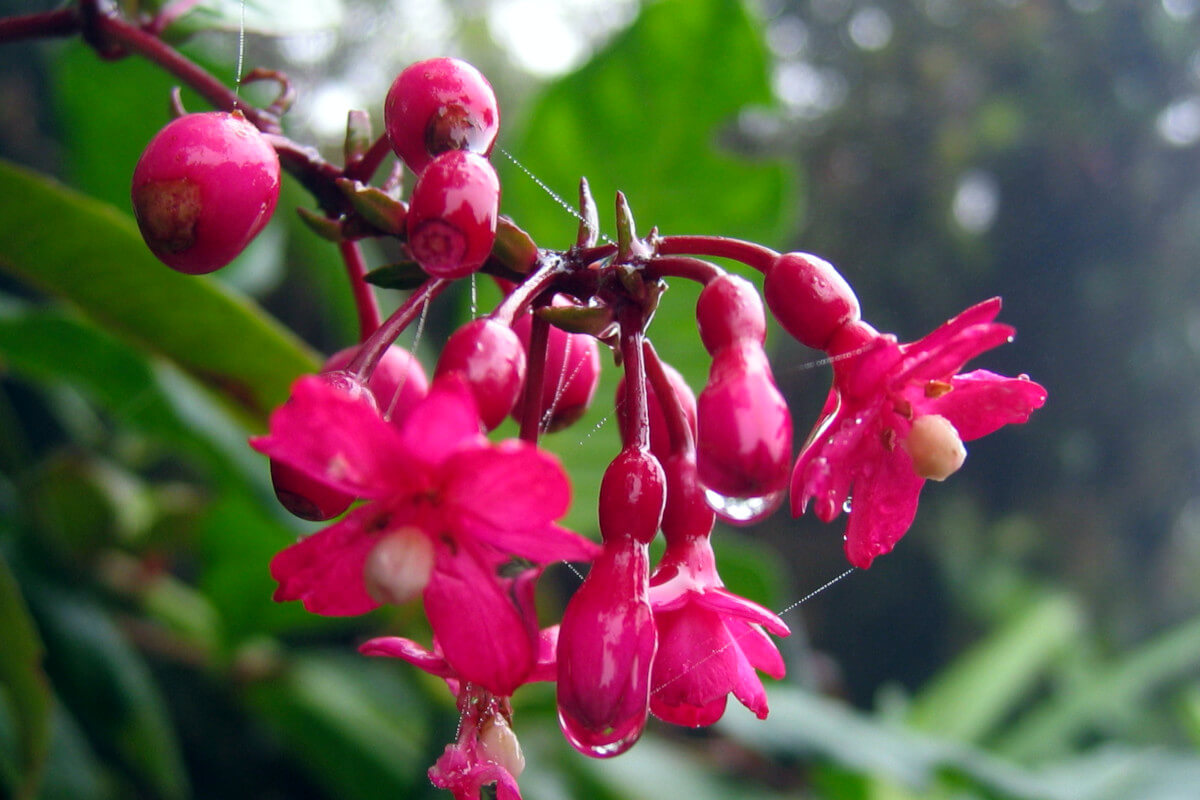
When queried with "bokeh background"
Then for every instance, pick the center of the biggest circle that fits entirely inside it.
(1037, 633)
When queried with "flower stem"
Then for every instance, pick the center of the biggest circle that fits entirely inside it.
(378, 342)
(60, 22)
(693, 269)
(535, 376)
(748, 253)
(364, 167)
(364, 299)
(550, 267)
(636, 412)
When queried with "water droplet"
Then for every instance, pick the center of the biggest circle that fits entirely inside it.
(604, 743)
(744, 510)
(847, 505)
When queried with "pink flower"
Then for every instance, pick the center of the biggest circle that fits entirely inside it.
(710, 641)
(478, 503)
(881, 435)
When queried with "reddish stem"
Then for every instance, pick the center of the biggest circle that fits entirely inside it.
(678, 430)
(364, 298)
(377, 344)
(364, 167)
(550, 267)
(531, 414)
(60, 22)
(636, 411)
(748, 253)
(693, 269)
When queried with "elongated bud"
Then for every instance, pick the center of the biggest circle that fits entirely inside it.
(729, 311)
(811, 300)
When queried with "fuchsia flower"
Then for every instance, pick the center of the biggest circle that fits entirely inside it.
(884, 428)
(710, 641)
(477, 503)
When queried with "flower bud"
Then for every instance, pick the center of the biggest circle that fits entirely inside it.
(397, 569)
(935, 447)
(811, 300)
(570, 378)
(490, 359)
(744, 442)
(397, 383)
(632, 495)
(728, 311)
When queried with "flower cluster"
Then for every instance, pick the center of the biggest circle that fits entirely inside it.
(424, 506)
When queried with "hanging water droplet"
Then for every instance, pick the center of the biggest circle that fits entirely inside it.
(600, 743)
(744, 510)
(847, 505)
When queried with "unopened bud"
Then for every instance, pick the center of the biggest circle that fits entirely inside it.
(398, 567)
(501, 745)
(935, 447)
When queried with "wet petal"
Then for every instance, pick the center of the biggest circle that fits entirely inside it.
(408, 650)
(727, 604)
(983, 401)
(885, 502)
(444, 422)
(325, 570)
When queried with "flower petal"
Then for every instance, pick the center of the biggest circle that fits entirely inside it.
(758, 648)
(337, 439)
(925, 363)
(884, 504)
(398, 647)
(481, 632)
(444, 422)
(325, 570)
(982, 401)
(727, 604)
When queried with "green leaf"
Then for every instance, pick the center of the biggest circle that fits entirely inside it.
(268, 17)
(644, 116)
(108, 688)
(23, 684)
(971, 696)
(351, 722)
(104, 268)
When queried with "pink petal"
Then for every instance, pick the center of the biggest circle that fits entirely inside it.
(696, 661)
(983, 401)
(923, 363)
(337, 439)
(444, 422)
(408, 650)
(687, 715)
(748, 688)
(884, 504)
(758, 648)
(979, 314)
(826, 468)
(482, 634)
(727, 604)
(325, 570)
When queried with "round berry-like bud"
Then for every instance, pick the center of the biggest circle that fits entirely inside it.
(728, 311)
(569, 379)
(439, 105)
(490, 359)
(204, 187)
(811, 300)
(660, 437)
(744, 442)
(304, 495)
(398, 568)
(935, 447)
(452, 215)
(632, 496)
(397, 383)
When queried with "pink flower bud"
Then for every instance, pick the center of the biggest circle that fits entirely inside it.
(490, 359)
(606, 647)
(728, 311)
(744, 447)
(397, 383)
(632, 494)
(570, 378)
(811, 300)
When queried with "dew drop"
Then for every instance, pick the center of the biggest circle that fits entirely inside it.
(599, 743)
(847, 505)
(744, 510)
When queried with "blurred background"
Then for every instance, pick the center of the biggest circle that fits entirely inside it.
(1035, 635)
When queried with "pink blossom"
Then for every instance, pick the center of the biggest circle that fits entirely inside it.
(479, 503)
(710, 641)
(880, 389)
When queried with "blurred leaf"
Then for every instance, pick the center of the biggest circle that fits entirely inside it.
(1052, 727)
(24, 684)
(103, 266)
(353, 724)
(109, 689)
(983, 686)
(270, 17)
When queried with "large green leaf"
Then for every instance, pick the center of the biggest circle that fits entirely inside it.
(73, 247)
(23, 684)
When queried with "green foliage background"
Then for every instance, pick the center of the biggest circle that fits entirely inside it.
(1035, 635)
